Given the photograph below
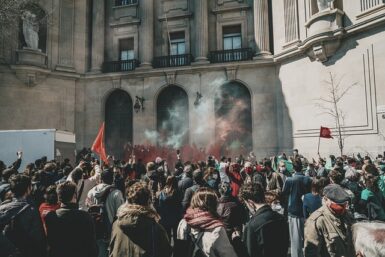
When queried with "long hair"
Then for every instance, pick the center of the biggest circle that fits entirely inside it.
(205, 199)
(171, 185)
(209, 173)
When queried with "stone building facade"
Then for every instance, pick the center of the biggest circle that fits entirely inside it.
(198, 71)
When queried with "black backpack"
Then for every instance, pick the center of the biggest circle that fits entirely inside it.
(8, 234)
(98, 212)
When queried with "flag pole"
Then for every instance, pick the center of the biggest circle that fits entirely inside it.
(319, 141)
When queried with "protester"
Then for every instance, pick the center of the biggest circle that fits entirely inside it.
(261, 236)
(5, 186)
(235, 178)
(84, 182)
(51, 204)
(198, 183)
(273, 179)
(372, 201)
(230, 210)
(22, 230)
(328, 230)
(274, 202)
(137, 232)
(186, 180)
(170, 207)
(295, 187)
(104, 199)
(311, 171)
(211, 178)
(70, 231)
(152, 177)
(223, 167)
(283, 172)
(312, 201)
(201, 225)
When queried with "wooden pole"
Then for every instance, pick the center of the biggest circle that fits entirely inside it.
(319, 141)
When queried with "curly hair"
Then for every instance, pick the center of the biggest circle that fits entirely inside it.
(336, 176)
(139, 194)
(252, 191)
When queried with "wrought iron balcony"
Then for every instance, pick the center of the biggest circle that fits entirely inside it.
(233, 55)
(172, 61)
(125, 2)
(117, 66)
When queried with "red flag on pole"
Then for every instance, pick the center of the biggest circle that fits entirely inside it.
(325, 133)
(98, 145)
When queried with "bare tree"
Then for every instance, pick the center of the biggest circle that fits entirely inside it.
(330, 105)
(10, 11)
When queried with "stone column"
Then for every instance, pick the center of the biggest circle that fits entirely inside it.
(261, 27)
(146, 33)
(97, 35)
(201, 30)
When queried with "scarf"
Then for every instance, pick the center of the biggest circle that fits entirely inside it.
(201, 220)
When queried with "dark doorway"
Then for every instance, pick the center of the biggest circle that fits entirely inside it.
(173, 117)
(118, 120)
(233, 119)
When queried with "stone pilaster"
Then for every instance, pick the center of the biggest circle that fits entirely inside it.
(66, 36)
(261, 27)
(146, 33)
(201, 30)
(98, 31)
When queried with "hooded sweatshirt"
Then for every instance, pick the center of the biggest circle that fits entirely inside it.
(137, 233)
(113, 201)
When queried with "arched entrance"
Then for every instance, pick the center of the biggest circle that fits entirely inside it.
(118, 123)
(173, 117)
(233, 130)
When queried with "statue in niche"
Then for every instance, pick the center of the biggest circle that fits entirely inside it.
(324, 4)
(30, 30)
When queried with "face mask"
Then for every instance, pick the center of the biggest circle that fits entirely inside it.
(215, 176)
(337, 209)
(282, 169)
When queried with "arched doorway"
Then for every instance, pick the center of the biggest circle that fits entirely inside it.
(173, 117)
(118, 123)
(233, 129)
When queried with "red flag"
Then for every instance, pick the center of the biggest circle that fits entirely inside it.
(325, 133)
(98, 145)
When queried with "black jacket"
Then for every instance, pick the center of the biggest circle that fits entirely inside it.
(266, 234)
(71, 232)
(27, 233)
(232, 213)
(185, 183)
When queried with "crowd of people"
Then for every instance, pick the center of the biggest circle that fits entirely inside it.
(275, 207)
